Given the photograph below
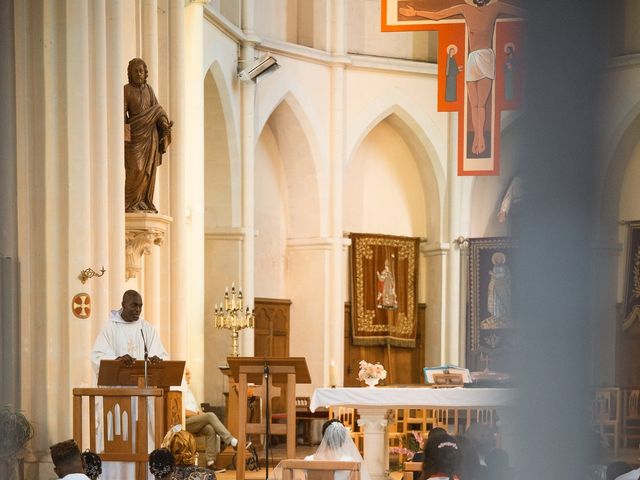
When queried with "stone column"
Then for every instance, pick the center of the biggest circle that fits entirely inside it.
(194, 19)
(99, 288)
(9, 277)
(373, 422)
(149, 53)
(248, 145)
(76, 179)
(116, 78)
(335, 314)
(451, 315)
(150, 42)
(179, 240)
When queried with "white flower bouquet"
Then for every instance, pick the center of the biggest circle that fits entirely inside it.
(369, 371)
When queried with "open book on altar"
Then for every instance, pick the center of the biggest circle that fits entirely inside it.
(447, 375)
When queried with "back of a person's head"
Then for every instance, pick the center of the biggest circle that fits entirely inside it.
(441, 455)
(66, 458)
(183, 448)
(334, 435)
(437, 431)
(161, 463)
(326, 424)
(92, 464)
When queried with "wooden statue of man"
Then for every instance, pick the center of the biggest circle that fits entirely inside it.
(147, 136)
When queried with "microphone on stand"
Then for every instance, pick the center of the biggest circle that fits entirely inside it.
(146, 358)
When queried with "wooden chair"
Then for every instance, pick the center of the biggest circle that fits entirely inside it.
(409, 468)
(319, 469)
(607, 413)
(630, 416)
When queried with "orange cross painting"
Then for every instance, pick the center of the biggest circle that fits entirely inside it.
(479, 67)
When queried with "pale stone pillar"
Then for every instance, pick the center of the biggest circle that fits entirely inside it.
(248, 142)
(451, 315)
(194, 19)
(179, 240)
(373, 422)
(435, 265)
(99, 288)
(10, 366)
(78, 129)
(116, 78)
(149, 53)
(150, 41)
(223, 254)
(334, 335)
(309, 262)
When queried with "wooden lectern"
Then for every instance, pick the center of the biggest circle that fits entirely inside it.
(245, 370)
(118, 385)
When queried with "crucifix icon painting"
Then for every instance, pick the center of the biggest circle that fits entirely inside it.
(479, 69)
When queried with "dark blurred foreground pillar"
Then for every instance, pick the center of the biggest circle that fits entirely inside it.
(555, 260)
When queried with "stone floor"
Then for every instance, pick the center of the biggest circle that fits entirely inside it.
(629, 455)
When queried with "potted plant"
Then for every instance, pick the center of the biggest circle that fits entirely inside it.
(15, 432)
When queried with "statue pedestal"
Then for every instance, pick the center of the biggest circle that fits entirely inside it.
(142, 231)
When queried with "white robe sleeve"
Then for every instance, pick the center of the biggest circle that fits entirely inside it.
(103, 348)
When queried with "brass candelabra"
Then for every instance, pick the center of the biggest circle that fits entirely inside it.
(233, 315)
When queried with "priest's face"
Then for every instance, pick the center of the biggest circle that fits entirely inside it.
(131, 308)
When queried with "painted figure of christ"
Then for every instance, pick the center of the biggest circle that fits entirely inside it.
(480, 20)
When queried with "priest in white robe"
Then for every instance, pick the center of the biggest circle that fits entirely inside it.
(124, 337)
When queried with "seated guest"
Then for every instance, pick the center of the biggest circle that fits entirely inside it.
(182, 446)
(67, 460)
(92, 464)
(419, 456)
(207, 424)
(470, 468)
(336, 444)
(441, 458)
(161, 464)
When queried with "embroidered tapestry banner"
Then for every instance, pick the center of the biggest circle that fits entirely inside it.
(490, 325)
(632, 277)
(384, 277)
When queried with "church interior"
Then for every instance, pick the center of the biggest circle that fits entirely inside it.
(269, 179)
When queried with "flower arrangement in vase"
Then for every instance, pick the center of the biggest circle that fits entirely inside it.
(371, 373)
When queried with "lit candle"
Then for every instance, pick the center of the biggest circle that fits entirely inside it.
(333, 374)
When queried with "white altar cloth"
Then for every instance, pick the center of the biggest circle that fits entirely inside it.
(373, 403)
(405, 397)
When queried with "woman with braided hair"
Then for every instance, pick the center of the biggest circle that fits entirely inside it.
(92, 464)
(161, 464)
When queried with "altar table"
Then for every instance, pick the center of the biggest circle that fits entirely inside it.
(373, 403)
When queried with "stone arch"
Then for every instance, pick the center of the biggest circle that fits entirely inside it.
(403, 120)
(296, 139)
(222, 153)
